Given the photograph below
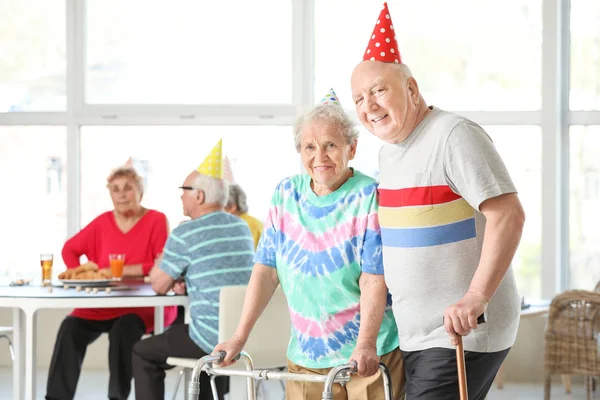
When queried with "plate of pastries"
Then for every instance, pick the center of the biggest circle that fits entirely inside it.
(86, 274)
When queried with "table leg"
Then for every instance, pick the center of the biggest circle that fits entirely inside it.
(500, 377)
(30, 358)
(188, 318)
(19, 348)
(159, 320)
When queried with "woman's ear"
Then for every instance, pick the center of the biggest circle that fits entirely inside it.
(352, 152)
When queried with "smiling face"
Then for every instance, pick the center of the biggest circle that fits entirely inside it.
(387, 104)
(325, 155)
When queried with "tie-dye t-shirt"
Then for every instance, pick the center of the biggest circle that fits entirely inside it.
(320, 245)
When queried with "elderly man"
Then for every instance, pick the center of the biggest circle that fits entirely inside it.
(322, 244)
(211, 250)
(451, 222)
(237, 204)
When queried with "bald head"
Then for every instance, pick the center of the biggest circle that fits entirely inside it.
(398, 71)
(387, 99)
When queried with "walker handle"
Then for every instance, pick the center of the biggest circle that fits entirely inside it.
(223, 354)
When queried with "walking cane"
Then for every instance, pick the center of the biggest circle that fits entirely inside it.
(460, 364)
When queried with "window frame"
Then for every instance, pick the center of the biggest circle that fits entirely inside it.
(555, 118)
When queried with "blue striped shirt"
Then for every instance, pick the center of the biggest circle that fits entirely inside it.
(212, 251)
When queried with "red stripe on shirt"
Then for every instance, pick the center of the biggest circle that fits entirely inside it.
(416, 196)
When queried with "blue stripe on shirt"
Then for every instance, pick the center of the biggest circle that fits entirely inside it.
(211, 252)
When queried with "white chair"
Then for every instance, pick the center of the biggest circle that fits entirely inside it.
(268, 342)
(5, 331)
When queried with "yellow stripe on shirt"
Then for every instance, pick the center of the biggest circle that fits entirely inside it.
(425, 216)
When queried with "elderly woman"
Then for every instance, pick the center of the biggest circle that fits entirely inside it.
(237, 204)
(322, 243)
(140, 234)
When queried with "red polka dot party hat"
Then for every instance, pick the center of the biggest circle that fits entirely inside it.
(382, 44)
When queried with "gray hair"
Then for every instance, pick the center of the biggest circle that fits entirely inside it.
(237, 197)
(215, 190)
(126, 172)
(331, 114)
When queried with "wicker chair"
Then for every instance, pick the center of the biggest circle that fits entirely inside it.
(571, 345)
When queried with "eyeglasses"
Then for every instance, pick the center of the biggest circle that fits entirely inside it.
(183, 188)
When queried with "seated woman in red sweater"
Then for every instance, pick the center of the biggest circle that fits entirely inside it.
(138, 233)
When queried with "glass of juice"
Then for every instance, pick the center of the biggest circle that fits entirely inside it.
(117, 261)
(46, 263)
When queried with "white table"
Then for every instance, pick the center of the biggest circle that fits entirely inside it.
(27, 300)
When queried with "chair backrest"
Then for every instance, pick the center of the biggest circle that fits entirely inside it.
(268, 342)
(572, 334)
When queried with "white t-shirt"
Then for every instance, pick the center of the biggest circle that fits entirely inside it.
(432, 185)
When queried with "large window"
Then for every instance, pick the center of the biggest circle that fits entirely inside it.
(584, 141)
(33, 201)
(32, 55)
(260, 157)
(520, 148)
(241, 70)
(488, 58)
(584, 202)
(189, 52)
(585, 55)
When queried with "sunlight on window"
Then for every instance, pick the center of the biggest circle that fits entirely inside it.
(521, 151)
(189, 52)
(585, 55)
(584, 213)
(260, 157)
(34, 199)
(33, 56)
(473, 60)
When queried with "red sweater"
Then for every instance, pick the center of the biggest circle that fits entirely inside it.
(141, 245)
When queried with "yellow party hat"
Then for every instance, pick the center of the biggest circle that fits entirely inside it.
(213, 163)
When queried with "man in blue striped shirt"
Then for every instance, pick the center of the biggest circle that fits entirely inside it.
(211, 250)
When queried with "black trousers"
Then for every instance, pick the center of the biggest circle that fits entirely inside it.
(432, 374)
(150, 362)
(74, 336)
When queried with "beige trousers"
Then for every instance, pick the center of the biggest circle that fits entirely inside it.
(358, 388)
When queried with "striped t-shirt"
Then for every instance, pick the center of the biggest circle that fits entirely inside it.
(212, 251)
(431, 187)
(320, 245)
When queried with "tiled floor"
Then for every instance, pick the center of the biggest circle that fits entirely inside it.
(513, 391)
(92, 386)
